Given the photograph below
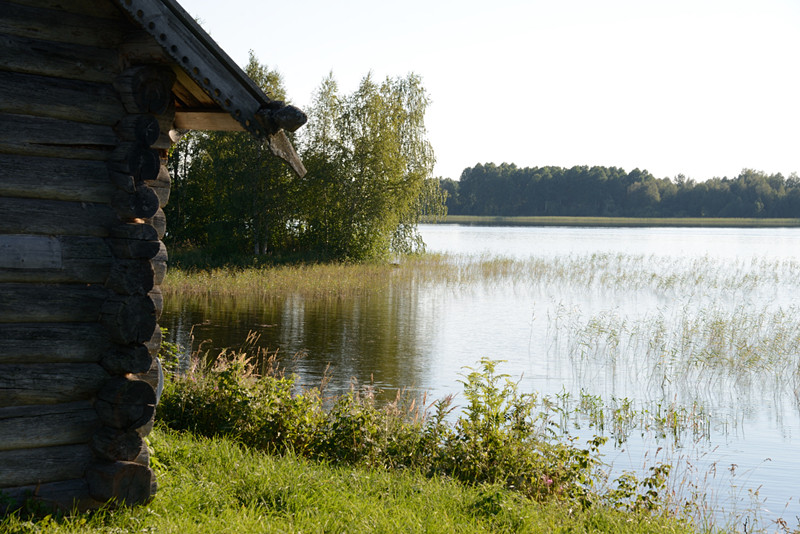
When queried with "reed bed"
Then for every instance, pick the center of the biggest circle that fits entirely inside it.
(703, 321)
(596, 271)
(314, 280)
(695, 355)
(621, 417)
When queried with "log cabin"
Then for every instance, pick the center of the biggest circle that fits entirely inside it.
(92, 95)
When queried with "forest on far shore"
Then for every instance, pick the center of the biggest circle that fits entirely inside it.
(507, 190)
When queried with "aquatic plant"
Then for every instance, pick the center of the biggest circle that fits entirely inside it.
(598, 271)
(664, 347)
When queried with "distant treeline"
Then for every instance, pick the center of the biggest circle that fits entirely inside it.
(506, 190)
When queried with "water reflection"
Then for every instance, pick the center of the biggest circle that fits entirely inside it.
(379, 339)
(706, 319)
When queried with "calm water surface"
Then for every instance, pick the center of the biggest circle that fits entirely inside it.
(614, 340)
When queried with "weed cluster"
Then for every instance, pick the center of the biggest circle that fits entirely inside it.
(500, 437)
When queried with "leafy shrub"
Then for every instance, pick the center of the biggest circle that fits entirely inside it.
(508, 437)
(502, 437)
(231, 399)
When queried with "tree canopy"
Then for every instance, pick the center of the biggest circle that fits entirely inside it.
(368, 183)
(489, 189)
(229, 194)
(369, 164)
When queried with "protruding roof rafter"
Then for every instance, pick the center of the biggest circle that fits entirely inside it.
(193, 50)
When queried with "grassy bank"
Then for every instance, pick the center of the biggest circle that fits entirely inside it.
(240, 452)
(621, 221)
(216, 485)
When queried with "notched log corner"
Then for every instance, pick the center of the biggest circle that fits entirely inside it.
(125, 359)
(146, 89)
(129, 319)
(122, 483)
(113, 445)
(126, 404)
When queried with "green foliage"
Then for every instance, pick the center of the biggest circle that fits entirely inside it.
(169, 353)
(502, 438)
(509, 437)
(633, 495)
(369, 164)
(506, 190)
(230, 195)
(368, 186)
(230, 399)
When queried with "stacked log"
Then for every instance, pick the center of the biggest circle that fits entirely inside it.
(58, 109)
(87, 96)
(125, 404)
(82, 187)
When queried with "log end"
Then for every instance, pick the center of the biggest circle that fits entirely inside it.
(121, 483)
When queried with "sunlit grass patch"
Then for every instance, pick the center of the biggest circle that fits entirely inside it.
(217, 485)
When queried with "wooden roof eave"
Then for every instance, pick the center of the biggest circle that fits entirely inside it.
(240, 103)
(201, 59)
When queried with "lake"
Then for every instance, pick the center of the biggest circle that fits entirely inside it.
(678, 340)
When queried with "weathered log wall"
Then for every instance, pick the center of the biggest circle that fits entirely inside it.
(82, 187)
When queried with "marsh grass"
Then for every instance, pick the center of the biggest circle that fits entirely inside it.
(596, 271)
(314, 281)
(708, 328)
(619, 418)
(689, 355)
(709, 342)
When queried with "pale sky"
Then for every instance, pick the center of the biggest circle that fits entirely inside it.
(699, 87)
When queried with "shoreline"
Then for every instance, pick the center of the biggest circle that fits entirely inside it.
(619, 222)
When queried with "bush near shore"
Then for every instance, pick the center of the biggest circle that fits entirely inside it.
(500, 437)
(241, 451)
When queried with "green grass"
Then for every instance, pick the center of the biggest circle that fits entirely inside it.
(621, 221)
(507, 441)
(217, 485)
